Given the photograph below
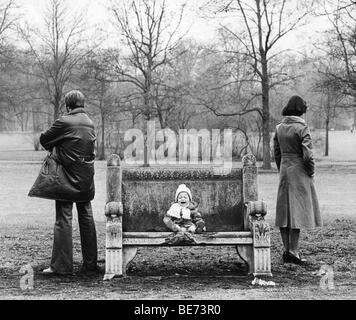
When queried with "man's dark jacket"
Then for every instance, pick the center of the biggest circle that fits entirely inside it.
(71, 178)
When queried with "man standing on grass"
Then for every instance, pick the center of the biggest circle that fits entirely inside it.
(71, 140)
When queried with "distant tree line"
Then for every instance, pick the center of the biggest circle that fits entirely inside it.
(151, 70)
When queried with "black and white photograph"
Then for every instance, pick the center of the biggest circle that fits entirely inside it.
(186, 151)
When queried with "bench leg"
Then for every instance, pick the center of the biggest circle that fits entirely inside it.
(117, 260)
(257, 259)
(113, 263)
(114, 254)
(262, 262)
(245, 252)
(129, 253)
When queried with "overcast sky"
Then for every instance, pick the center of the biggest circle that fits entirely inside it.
(200, 29)
(97, 11)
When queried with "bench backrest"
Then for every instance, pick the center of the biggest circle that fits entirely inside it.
(147, 193)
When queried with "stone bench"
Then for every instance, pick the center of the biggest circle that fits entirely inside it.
(138, 198)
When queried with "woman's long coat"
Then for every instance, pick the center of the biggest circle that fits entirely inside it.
(297, 202)
(68, 173)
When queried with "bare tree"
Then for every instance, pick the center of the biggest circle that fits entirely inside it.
(226, 85)
(107, 97)
(151, 34)
(175, 94)
(330, 100)
(57, 50)
(264, 24)
(97, 86)
(8, 16)
(148, 32)
(340, 46)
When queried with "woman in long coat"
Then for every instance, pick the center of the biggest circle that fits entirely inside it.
(297, 203)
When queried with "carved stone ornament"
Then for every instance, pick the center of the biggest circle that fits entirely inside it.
(114, 161)
(114, 209)
(113, 228)
(261, 233)
(257, 210)
(248, 160)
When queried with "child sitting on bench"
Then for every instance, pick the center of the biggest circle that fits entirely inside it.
(183, 216)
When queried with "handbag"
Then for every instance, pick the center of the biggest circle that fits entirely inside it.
(52, 181)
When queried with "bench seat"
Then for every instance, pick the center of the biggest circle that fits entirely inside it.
(206, 238)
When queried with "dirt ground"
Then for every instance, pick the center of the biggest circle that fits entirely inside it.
(185, 273)
(203, 273)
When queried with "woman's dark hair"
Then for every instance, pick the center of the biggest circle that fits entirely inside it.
(296, 106)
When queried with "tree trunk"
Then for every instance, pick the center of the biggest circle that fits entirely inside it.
(35, 122)
(2, 124)
(97, 144)
(49, 120)
(145, 133)
(327, 137)
(56, 111)
(102, 155)
(327, 123)
(148, 110)
(266, 115)
(161, 121)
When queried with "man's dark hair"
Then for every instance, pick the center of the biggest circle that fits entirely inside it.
(296, 106)
(74, 99)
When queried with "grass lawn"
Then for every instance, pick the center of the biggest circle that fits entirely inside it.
(26, 230)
